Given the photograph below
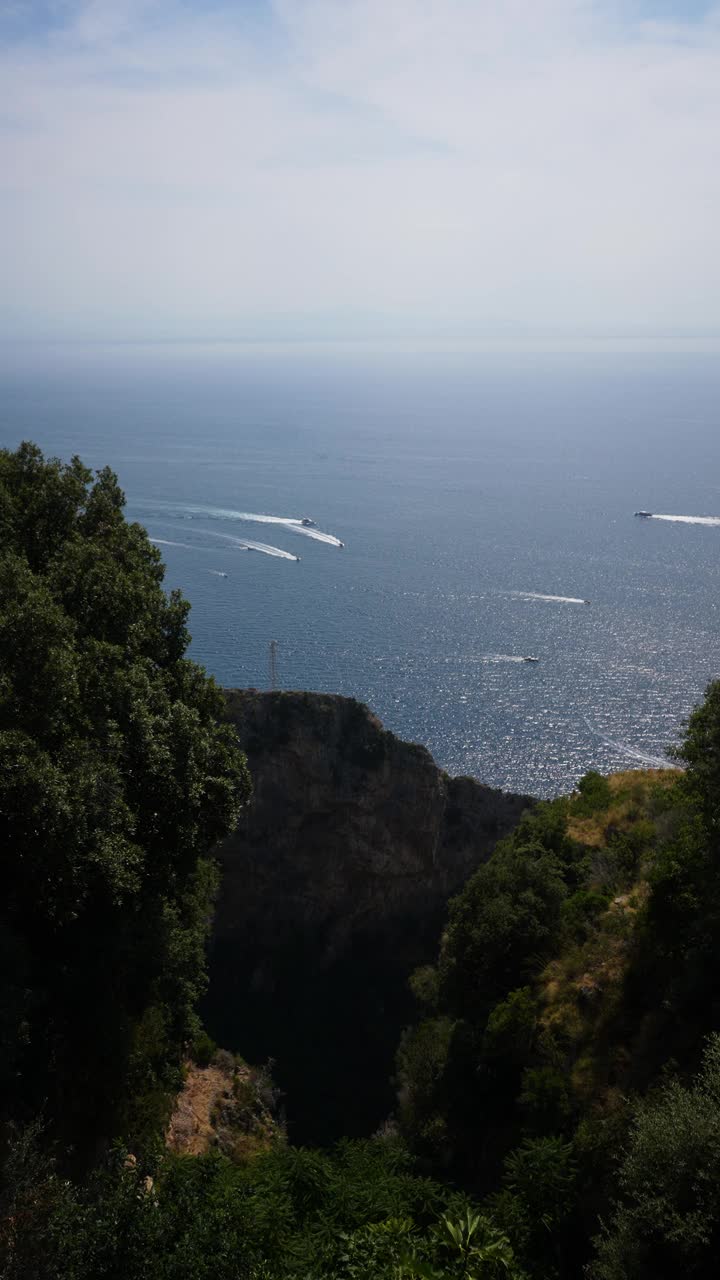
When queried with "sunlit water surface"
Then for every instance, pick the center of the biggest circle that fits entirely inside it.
(481, 499)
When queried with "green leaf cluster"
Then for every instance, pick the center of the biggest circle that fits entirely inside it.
(294, 1214)
(116, 780)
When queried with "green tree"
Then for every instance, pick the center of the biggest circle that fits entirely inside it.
(683, 916)
(536, 1203)
(116, 780)
(700, 753)
(501, 925)
(667, 1222)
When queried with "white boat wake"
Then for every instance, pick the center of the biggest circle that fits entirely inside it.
(293, 523)
(633, 753)
(296, 526)
(536, 595)
(501, 657)
(244, 544)
(713, 521)
(266, 550)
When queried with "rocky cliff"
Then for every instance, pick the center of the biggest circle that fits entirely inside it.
(333, 890)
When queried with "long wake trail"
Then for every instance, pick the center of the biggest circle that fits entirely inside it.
(712, 521)
(633, 753)
(500, 657)
(293, 523)
(537, 595)
(240, 544)
(246, 544)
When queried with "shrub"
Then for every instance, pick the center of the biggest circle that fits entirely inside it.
(594, 794)
(510, 1028)
(580, 912)
(667, 1222)
(203, 1049)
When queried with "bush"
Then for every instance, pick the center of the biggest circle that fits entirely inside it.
(667, 1222)
(500, 928)
(545, 1098)
(594, 794)
(580, 912)
(203, 1049)
(511, 1028)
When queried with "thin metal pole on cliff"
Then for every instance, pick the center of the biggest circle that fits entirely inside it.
(273, 665)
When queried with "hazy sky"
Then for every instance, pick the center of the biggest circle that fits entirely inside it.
(451, 169)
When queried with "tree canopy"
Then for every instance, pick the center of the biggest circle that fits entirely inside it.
(116, 780)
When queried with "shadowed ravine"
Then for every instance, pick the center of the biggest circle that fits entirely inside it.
(333, 890)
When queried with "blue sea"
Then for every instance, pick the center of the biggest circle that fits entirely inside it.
(481, 498)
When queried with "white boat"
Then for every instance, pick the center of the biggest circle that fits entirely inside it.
(307, 522)
(529, 658)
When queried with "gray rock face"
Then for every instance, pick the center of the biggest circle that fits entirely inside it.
(348, 824)
(334, 886)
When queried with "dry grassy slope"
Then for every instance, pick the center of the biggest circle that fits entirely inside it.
(222, 1106)
(581, 991)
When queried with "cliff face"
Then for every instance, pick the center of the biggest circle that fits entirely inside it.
(333, 890)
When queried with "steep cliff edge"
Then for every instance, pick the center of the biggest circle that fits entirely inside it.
(333, 890)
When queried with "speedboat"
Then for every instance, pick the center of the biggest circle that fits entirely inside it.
(529, 658)
(644, 515)
(307, 522)
(586, 601)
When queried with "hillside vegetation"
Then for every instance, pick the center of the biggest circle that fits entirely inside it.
(577, 975)
(116, 781)
(558, 1093)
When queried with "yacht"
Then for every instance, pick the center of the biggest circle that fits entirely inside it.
(529, 658)
(644, 515)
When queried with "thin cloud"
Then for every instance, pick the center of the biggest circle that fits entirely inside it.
(432, 166)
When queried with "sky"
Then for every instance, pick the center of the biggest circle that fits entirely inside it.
(332, 170)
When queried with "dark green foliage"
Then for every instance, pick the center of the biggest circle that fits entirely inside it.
(510, 1029)
(544, 1098)
(682, 932)
(500, 927)
(594, 794)
(203, 1049)
(115, 782)
(358, 1211)
(424, 984)
(460, 1072)
(667, 1222)
(579, 912)
(526, 1065)
(422, 1060)
(700, 753)
(537, 1201)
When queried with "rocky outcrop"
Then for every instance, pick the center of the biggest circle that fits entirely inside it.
(334, 886)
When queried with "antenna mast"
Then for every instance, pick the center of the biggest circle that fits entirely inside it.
(273, 665)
